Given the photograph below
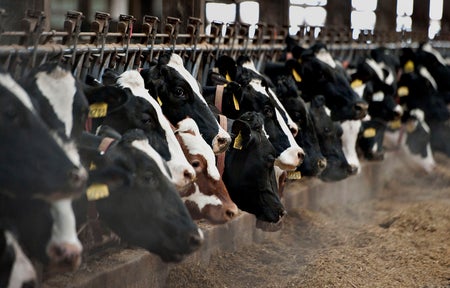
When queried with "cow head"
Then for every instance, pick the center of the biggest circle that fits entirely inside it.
(179, 95)
(316, 73)
(329, 135)
(209, 197)
(249, 170)
(314, 162)
(144, 208)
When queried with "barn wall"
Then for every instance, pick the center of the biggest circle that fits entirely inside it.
(338, 13)
(386, 15)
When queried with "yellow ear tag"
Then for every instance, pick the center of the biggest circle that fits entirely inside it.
(409, 67)
(238, 142)
(297, 77)
(294, 175)
(227, 76)
(97, 191)
(403, 91)
(159, 101)
(410, 126)
(92, 166)
(395, 125)
(369, 133)
(236, 103)
(98, 110)
(356, 83)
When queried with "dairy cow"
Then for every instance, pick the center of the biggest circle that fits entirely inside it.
(316, 73)
(249, 170)
(208, 198)
(141, 205)
(257, 96)
(180, 96)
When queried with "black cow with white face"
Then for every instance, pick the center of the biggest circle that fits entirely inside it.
(254, 94)
(314, 162)
(142, 205)
(180, 96)
(329, 135)
(249, 170)
(316, 73)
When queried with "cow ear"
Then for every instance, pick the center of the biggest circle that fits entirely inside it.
(164, 58)
(227, 67)
(241, 134)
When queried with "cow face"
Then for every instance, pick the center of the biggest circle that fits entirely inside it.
(209, 197)
(249, 170)
(257, 96)
(54, 175)
(180, 97)
(329, 135)
(125, 111)
(144, 207)
(370, 139)
(314, 162)
(316, 74)
(17, 270)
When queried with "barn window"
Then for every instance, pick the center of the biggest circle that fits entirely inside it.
(249, 13)
(404, 12)
(436, 7)
(222, 12)
(363, 16)
(307, 13)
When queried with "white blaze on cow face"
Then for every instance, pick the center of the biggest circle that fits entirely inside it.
(59, 88)
(201, 199)
(426, 74)
(390, 78)
(176, 63)
(178, 164)
(192, 139)
(8, 82)
(289, 159)
(428, 48)
(22, 270)
(325, 56)
(349, 137)
(291, 124)
(376, 68)
(145, 147)
(64, 245)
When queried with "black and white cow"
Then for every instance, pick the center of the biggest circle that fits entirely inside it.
(329, 135)
(180, 96)
(256, 95)
(143, 206)
(249, 170)
(317, 73)
(130, 106)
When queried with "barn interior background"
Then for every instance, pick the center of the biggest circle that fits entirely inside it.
(93, 35)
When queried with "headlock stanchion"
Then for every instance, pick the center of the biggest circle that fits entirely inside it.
(133, 46)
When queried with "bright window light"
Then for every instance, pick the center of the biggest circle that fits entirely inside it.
(436, 7)
(405, 7)
(363, 20)
(364, 5)
(298, 2)
(316, 2)
(404, 23)
(435, 27)
(296, 18)
(315, 16)
(249, 13)
(225, 13)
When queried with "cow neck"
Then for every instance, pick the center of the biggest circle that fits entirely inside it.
(221, 157)
(219, 97)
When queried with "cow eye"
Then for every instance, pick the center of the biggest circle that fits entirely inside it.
(179, 92)
(195, 163)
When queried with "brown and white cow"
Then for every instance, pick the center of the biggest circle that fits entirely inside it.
(208, 198)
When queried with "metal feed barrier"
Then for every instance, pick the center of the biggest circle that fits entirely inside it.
(133, 46)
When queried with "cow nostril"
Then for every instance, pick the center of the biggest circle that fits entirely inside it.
(77, 178)
(294, 131)
(29, 284)
(195, 240)
(230, 214)
(322, 163)
(352, 169)
(301, 156)
(222, 141)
